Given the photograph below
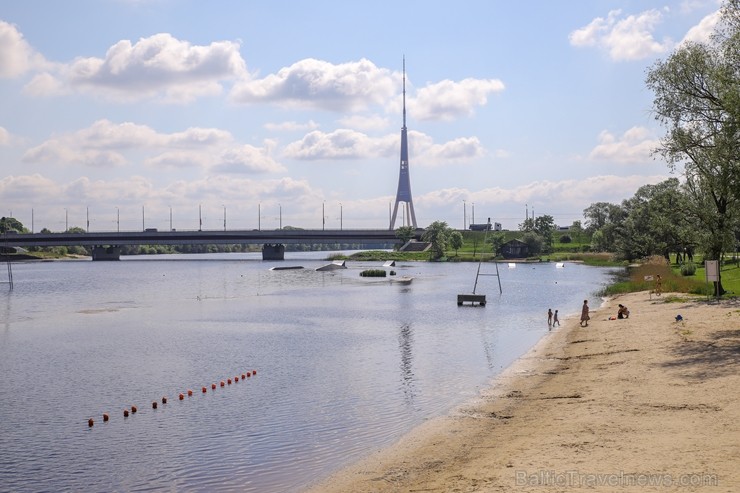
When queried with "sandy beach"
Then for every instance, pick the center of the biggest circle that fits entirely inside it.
(642, 404)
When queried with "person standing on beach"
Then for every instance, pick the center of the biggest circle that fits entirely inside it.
(584, 314)
(549, 317)
(658, 285)
(555, 319)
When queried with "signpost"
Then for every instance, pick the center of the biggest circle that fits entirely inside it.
(712, 274)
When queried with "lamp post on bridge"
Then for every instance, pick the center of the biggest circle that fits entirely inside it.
(259, 216)
(66, 220)
(323, 215)
(224, 218)
(465, 215)
(340, 217)
(280, 207)
(170, 218)
(118, 220)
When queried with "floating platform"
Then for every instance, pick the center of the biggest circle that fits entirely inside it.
(290, 267)
(337, 264)
(473, 299)
(402, 280)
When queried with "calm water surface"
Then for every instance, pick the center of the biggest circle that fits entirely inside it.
(345, 364)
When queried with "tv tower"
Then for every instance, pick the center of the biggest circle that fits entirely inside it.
(404, 183)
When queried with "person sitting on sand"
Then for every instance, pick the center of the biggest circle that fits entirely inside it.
(623, 312)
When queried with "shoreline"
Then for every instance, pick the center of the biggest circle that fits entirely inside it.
(638, 404)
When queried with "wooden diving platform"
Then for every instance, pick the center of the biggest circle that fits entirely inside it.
(473, 299)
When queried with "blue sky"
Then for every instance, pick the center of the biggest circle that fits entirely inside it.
(114, 106)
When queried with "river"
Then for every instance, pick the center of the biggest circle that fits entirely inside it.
(345, 364)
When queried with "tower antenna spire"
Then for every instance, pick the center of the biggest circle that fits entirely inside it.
(404, 91)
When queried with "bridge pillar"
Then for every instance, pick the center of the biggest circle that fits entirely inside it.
(106, 253)
(273, 252)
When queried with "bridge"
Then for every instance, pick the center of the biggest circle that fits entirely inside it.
(107, 245)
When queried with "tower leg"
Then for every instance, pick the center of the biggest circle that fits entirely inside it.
(393, 216)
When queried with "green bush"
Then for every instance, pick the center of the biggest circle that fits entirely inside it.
(688, 269)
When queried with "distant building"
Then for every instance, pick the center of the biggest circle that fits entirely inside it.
(497, 226)
(515, 249)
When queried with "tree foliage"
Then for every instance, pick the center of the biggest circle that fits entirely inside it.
(11, 224)
(405, 233)
(437, 234)
(456, 240)
(697, 100)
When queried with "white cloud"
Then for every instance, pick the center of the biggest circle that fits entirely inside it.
(447, 100)
(628, 38)
(339, 144)
(106, 144)
(632, 147)
(318, 84)
(292, 126)
(20, 189)
(701, 32)
(158, 67)
(44, 85)
(455, 151)
(16, 55)
(248, 159)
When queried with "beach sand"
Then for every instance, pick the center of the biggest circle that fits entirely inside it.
(642, 404)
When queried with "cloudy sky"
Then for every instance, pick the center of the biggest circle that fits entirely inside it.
(135, 108)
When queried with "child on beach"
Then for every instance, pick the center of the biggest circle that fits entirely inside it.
(584, 314)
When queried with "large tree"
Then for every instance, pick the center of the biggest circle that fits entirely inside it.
(437, 234)
(697, 100)
(602, 222)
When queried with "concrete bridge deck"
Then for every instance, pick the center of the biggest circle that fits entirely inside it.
(268, 238)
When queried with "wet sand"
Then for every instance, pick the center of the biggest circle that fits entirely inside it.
(642, 404)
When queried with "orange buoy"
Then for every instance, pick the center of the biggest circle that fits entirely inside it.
(243, 376)
(190, 392)
(213, 386)
(181, 396)
(133, 409)
(222, 383)
(249, 374)
(236, 379)
(154, 405)
(254, 372)
(90, 422)
(164, 400)
(106, 417)
(125, 413)
(228, 380)
(204, 390)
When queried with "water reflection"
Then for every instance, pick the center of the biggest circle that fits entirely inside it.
(405, 341)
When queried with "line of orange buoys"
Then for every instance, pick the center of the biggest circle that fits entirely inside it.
(181, 396)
